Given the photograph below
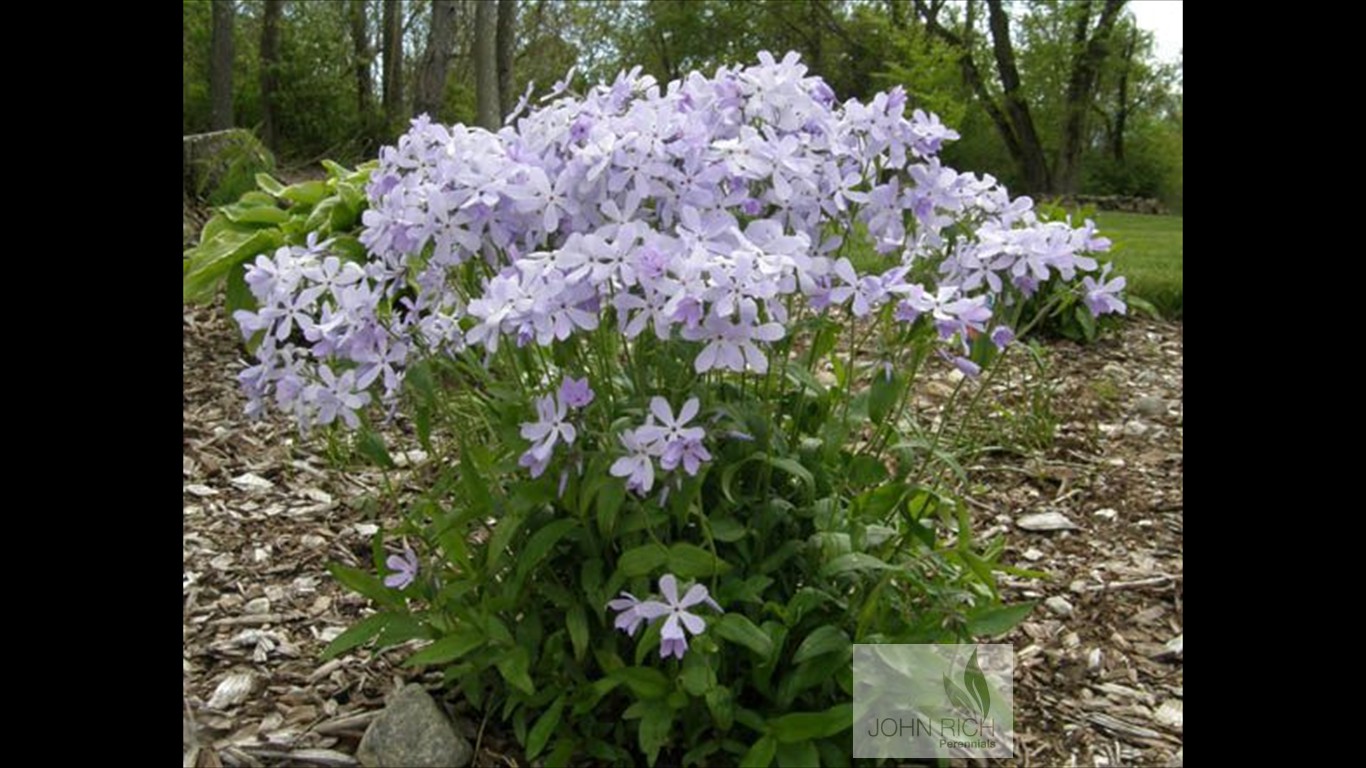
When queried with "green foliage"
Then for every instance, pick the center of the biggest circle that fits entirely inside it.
(275, 216)
(1148, 251)
(810, 540)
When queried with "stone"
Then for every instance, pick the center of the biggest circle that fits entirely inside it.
(1059, 606)
(1170, 714)
(1107, 513)
(1032, 554)
(1136, 428)
(413, 731)
(1050, 520)
(1152, 407)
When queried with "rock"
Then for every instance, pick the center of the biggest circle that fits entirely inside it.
(1032, 555)
(1135, 428)
(252, 483)
(1059, 606)
(219, 167)
(1051, 520)
(1170, 714)
(233, 690)
(1173, 648)
(1107, 513)
(1152, 407)
(412, 731)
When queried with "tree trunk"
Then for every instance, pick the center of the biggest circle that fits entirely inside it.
(270, 72)
(220, 66)
(1088, 57)
(431, 76)
(1122, 108)
(507, 44)
(1032, 160)
(485, 63)
(393, 60)
(360, 42)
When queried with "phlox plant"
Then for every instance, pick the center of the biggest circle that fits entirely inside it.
(696, 475)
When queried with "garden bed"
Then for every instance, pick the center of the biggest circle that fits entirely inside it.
(1099, 680)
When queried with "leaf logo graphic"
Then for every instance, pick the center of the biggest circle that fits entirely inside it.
(976, 683)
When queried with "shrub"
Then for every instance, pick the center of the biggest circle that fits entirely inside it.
(677, 471)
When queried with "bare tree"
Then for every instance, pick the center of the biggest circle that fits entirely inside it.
(360, 42)
(431, 75)
(270, 71)
(393, 60)
(220, 66)
(485, 63)
(507, 43)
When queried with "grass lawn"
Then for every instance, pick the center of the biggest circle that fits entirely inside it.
(1147, 251)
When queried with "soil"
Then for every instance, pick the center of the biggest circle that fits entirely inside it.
(1098, 679)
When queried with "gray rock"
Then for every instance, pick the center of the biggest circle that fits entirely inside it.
(1152, 407)
(1050, 520)
(413, 731)
(1107, 513)
(1059, 606)
(1136, 428)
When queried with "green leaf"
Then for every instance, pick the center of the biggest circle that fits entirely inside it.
(544, 727)
(400, 629)
(990, 621)
(690, 561)
(855, 561)
(655, 723)
(358, 634)
(800, 726)
(577, 622)
(540, 544)
(697, 677)
(362, 583)
(371, 446)
(464, 639)
(256, 215)
(305, 192)
(644, 682)
(741, 631)
(761, 754)
(642, 560)
(514, 666)
(609, 501)
(826, 639)
(793, 467)
(727, 529)
(210, 262)
(798, 754)
(721, 704)
(268, 184)
(883, 395)
(238, 293)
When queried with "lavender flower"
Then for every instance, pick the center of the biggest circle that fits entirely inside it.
(680, 621)
(1103, 297)
(575, 393)
(404, 567)
(637, 466)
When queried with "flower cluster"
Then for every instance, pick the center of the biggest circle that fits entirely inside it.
(553, 425)
(632, 612)
(707, 211)
(664, 437)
